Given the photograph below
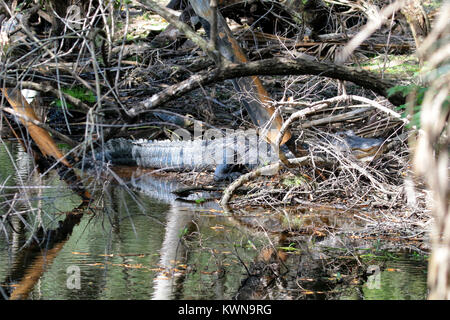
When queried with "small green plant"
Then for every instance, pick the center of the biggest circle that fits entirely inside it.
(250, 245)
(405, 109)
(380, 255)
(290, 248)
(200, 200)
(294, 182)
(80, 93)
(418, 256)
(183, 232)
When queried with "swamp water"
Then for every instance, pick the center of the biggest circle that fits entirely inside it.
(138, 241)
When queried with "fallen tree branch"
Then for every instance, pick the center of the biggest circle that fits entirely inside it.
(185, 192)
(336, 118)
(380, 107)
(274, 66)
(274, 167)
(223, 48)
(39, 135)
(302, 113)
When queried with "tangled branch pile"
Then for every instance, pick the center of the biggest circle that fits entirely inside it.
(104, 69)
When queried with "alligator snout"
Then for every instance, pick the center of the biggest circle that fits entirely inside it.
(364, 149)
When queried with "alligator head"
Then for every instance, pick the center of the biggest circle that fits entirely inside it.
(363, 149)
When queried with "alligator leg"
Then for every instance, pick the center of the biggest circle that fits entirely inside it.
(227, 171)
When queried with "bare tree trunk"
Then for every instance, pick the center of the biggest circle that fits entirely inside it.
(417, 19)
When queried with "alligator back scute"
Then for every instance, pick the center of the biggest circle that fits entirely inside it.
(171, 154)
(233, 149)
(189, 155)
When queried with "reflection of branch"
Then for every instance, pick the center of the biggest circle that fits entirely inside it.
(34, 273)
(32, 269)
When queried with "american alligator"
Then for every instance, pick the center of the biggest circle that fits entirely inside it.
(224, 155)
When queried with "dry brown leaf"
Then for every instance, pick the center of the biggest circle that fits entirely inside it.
(39, 135)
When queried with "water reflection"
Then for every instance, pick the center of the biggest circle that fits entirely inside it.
(181, 219)
(138, 241)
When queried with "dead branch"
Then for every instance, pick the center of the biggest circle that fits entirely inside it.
(274, 66)
(374, 23)
(271, 168)
(186, 29)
